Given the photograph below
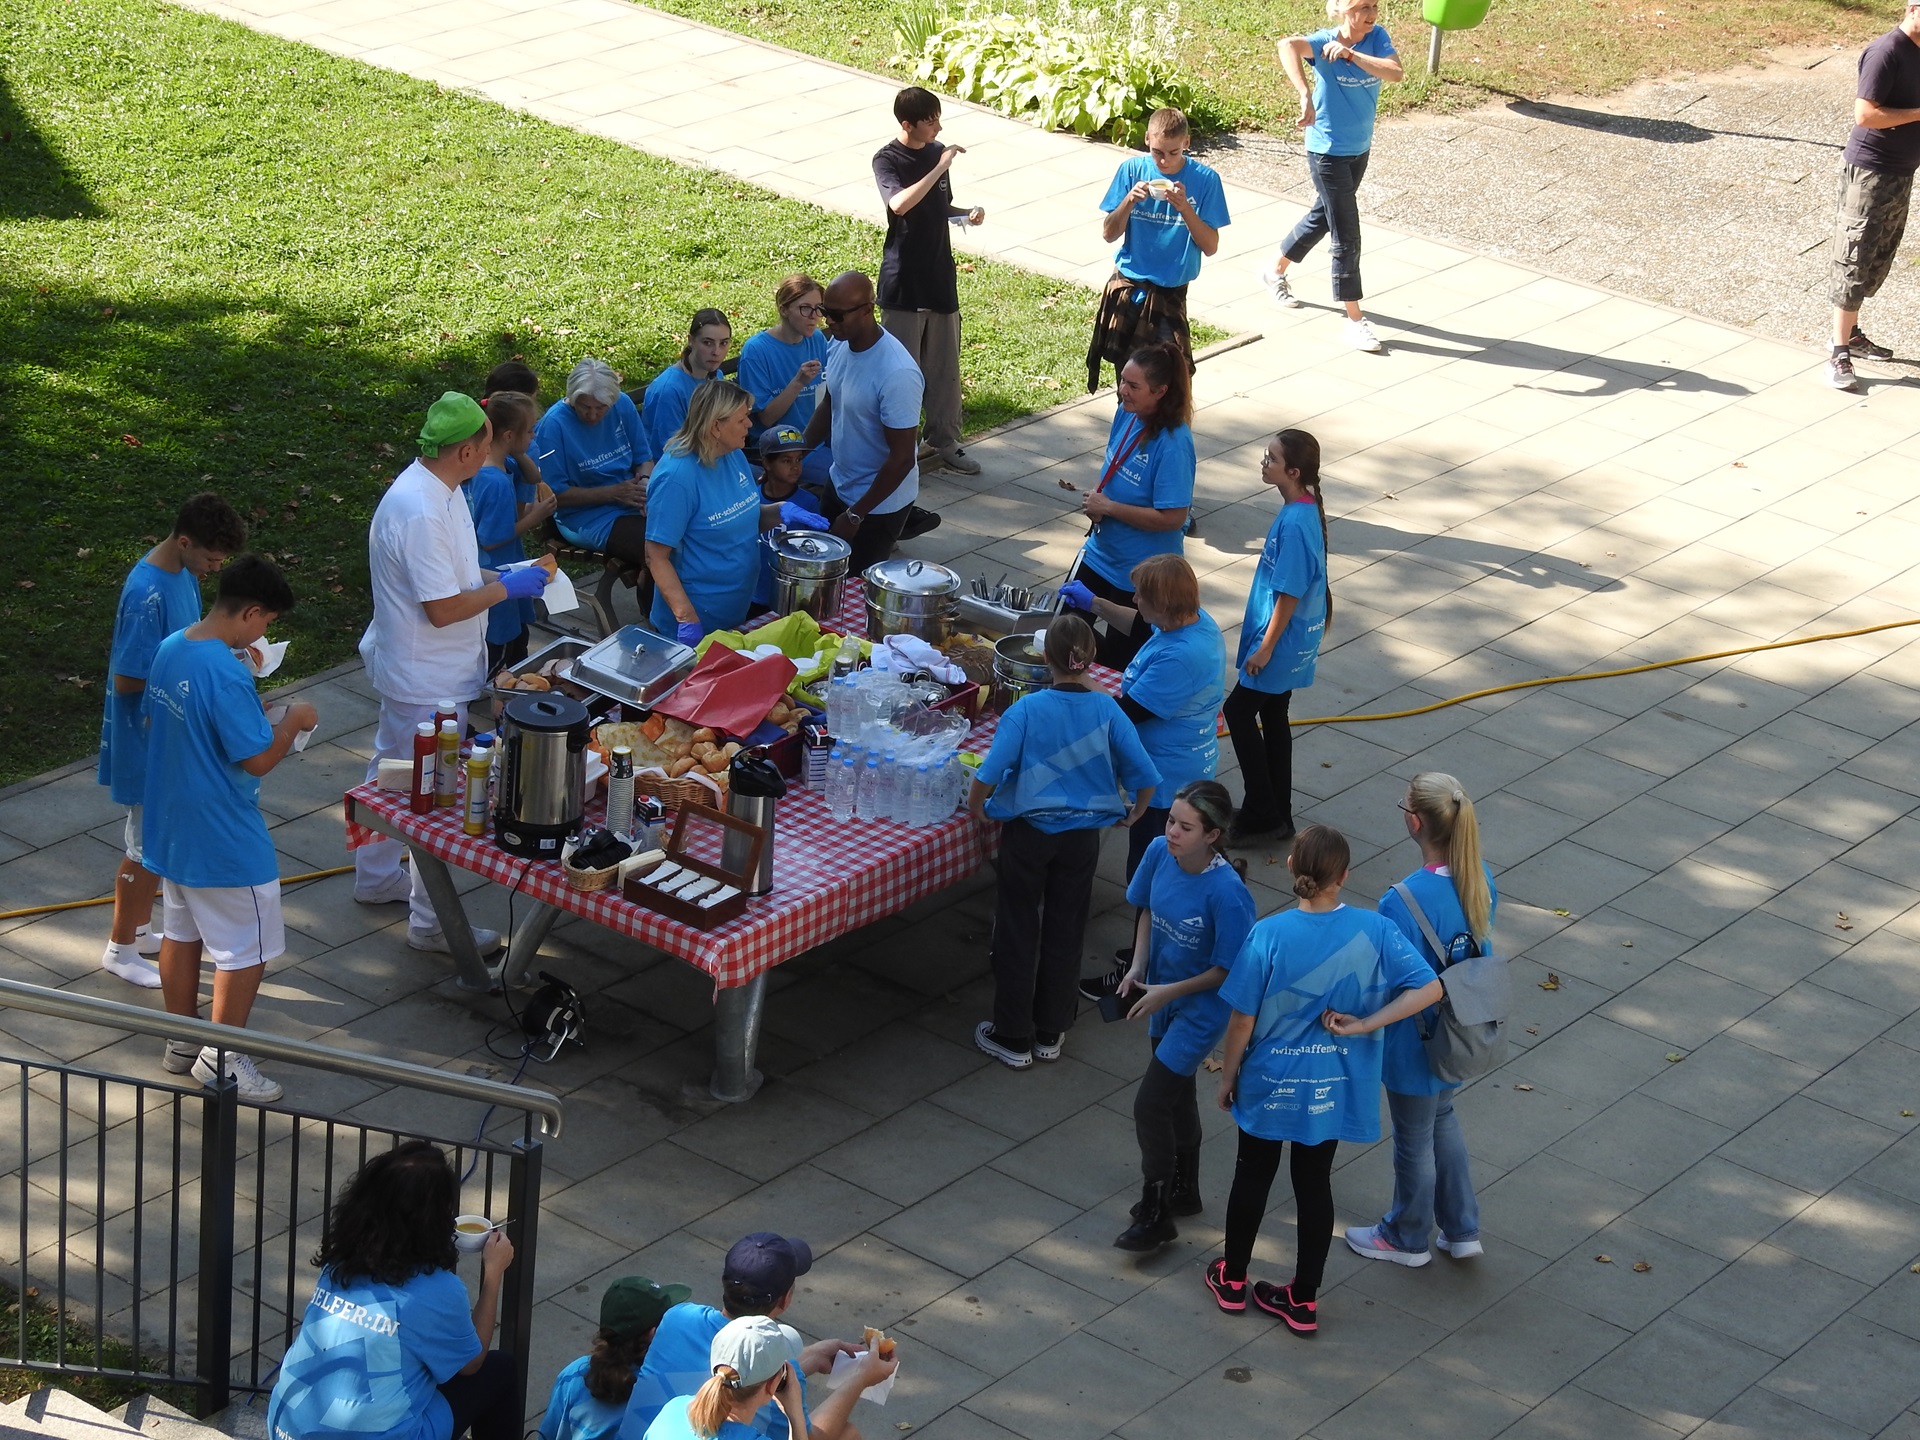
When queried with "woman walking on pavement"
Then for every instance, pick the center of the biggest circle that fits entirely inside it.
(1453, 889)
(1350, 60)
(1287, 613)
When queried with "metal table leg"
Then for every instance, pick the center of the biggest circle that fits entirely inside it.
(736, 1040)
(528, 936)
(473, 972)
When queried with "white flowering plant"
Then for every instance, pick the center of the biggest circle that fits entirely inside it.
(1089, 70)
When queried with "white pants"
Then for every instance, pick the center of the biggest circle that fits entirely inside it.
(238, 926)
(375, 865)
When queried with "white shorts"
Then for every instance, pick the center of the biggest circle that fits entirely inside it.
(136, 837)
(240, 925)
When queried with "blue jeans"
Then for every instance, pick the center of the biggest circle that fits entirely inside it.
(1336, 210)
(1431, 1179)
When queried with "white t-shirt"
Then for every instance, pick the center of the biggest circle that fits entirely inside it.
(421, 547)
(879, 387)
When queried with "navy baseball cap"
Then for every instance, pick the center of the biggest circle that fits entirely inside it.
(786, 439)
(767, 1264)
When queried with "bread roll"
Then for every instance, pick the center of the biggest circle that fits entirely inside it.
(534, 682)
(681, 767)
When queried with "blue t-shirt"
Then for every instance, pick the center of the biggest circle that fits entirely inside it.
(523, 492)
(571, 454)
(672, 1424)
(495, 511)
(369, 1359)
(663, 410)
(1157, 474)
(1345, 97)
(203, 825)
(871, 391)
(768, 364)
(1299, 1081)
(572, 1411)
(153, 604)
(1293, 561)
(679, 1361)
(1177, 675)
(1198, 921)
(1404, 1070)
(710, 516)
(1059, 759)
(1157, 246)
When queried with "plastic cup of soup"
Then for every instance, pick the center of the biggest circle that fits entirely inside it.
(470, 1233)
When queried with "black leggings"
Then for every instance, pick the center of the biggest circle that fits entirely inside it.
(1263, 744)
(1166, 1119)
(483, 1401)
(1253, 1172)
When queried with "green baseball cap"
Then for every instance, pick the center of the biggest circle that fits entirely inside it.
(452, 419)
(634, 1304)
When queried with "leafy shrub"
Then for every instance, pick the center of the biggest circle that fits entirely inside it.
(1089, 71)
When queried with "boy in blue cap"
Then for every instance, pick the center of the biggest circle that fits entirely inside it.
(589, 1398)
(783, 450)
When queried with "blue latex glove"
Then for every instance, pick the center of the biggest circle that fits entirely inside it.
(688, 632)
(526, 583)
(797, 515)
(1076, 596)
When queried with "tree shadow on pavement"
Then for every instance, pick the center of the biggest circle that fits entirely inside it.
(1613, 376)
(1506, 562)
(1646, 127)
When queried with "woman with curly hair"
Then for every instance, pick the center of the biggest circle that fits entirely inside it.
(389, 1348)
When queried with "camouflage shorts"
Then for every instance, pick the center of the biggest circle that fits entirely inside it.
(1871, 219)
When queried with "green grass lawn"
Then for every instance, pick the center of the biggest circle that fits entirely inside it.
(1526, 48)
(232, 262)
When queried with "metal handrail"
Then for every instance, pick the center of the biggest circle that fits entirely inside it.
(65, 1005)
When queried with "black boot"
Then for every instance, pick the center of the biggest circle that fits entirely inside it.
(1183, 1197)
(1152, 1222)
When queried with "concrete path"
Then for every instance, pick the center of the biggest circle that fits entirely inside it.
(1707, 872)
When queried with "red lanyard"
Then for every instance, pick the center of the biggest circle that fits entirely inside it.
(1124, 454)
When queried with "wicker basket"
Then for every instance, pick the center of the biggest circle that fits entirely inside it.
(586, 880)
(675, 793)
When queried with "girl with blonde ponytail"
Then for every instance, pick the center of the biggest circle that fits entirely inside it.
(1432, 1179)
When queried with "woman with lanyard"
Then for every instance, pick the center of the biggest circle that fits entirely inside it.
(781, 368)
(1287, 613)
(704, 518)
(1145, 492)
(665, 404)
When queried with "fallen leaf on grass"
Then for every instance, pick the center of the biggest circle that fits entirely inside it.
(1552, 982)
(133, 440)
(25, 584)
(1603, 1259)
(83, 554)
(1641, 1267)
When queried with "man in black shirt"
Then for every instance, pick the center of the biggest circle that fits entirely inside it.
(1876, 184)
(919, 299)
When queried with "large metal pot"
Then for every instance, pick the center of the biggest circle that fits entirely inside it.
(911, 597)
(538, 804)
(1018, 669)
(808, 568)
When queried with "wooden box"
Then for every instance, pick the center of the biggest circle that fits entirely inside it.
(679, 848)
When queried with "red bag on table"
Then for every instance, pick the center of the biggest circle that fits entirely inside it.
(727, 692)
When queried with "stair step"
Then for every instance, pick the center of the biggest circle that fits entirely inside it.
(241, 1421)
(155, 1419)
(62, 1415)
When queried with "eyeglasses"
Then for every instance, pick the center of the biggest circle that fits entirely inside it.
(1405, 809)
(838, 315)
(814, 310)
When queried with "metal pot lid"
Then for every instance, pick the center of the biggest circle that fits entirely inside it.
(1018, 650)
(912, 577)
(546, 712)
(814, 546)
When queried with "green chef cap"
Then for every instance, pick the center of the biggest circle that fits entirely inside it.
(453, 418)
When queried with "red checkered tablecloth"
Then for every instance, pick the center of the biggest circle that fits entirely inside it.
(829, 876)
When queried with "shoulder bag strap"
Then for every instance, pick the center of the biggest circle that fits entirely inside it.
(1420, 918)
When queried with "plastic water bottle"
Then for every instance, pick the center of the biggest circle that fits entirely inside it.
(840, 788)
(866, 798)
(839, 705)
(919, 807)
(892, 800)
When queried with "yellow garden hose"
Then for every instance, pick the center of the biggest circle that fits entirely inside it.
(108, 899)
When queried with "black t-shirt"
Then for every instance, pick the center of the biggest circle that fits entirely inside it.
(916, 269)
(1890, 78)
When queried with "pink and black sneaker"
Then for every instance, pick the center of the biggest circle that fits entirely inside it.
(1230, 1295)
(1302, 1316)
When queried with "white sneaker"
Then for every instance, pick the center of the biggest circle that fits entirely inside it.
(1367, 1242)
(147, 941)
(1458, 1249)
(435, 941)
(253, 1086)
(1279, 289)
(179, 1056)
(127, 963)
(397, 887)
(1361, 337)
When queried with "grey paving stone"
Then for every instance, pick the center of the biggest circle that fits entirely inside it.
(79, 868)
(1808, 1145)
(1878, 971)
(1677, 1373)
(1651, 831)
(1866, 704)
(1447, 1292)
(1548, 723)
(1891, 762)
(1845, 805)
(1567, 876)
(1360, 1343)
(1897, 1168)
(1577, 1414)
(1772, 1299)
(973, 1224)
(1894, 1302)
(1665, 741)
(1720, 1208)
(1857, 1372)
(1511, 829)
(1527, 1348)
(1539, 1012)
(913, 1152)
(1683, 1005)
(1584, 785)
(1174, 1324)
(1857, 1230)
(1832, 891)
(649, 1194)
(1022, 1103)
(1593, 1060)
(59, 810)
(1609, 948)
(1879, 1083)
(961, 1423)
(1694, 899)
(1083, 1159)
(762, 1141)
(996, 1322)
(1507, 1126)
(1263, 1399)
(1640, 1142)
(928, 1384)
(1892, 854)
(1765, 952)
(1406, 1402)
(1548, 1205)
(1760, 1412)
(1770, 851)
(869, 1282)
(1728, 787)
(1810, 1025)
(822, 1209)
(1729, 1082)
(1613, 1290)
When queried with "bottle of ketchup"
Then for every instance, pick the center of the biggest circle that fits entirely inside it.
(425, 742)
